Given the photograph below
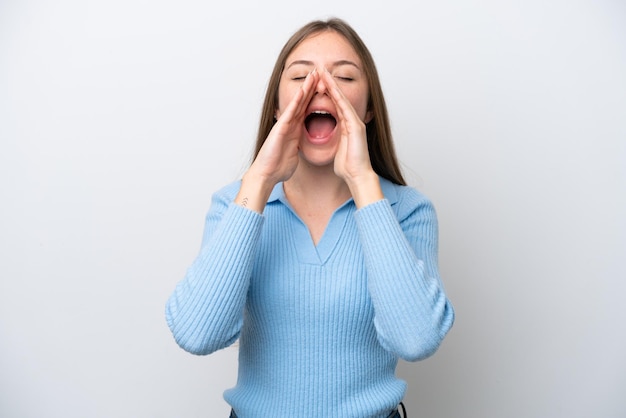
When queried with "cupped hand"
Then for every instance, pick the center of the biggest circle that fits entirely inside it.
(352, 160)
(278, 157)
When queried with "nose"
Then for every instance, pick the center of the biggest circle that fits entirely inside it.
(320, 88)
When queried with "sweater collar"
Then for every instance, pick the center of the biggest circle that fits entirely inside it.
(389, 191)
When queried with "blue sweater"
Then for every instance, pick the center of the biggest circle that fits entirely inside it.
(321, 328)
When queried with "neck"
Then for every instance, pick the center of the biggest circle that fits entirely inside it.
(318, 185)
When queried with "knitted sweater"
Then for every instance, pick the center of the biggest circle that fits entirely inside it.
(321, 327)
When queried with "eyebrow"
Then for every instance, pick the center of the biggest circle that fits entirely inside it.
(335, 64)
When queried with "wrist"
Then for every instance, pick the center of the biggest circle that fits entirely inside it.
(365, 189)
(254, 191)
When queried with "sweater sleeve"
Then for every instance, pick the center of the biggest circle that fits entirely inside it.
(412, 313)
(205, 311)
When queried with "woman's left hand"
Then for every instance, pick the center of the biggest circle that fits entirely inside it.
(352, 161)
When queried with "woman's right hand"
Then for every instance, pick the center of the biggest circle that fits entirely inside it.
(278, 157)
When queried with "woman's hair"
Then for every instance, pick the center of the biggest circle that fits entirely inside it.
(379, 140)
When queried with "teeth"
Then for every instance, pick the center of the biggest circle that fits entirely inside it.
(320, 112)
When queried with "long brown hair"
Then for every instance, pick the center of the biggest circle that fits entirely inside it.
(379, 140)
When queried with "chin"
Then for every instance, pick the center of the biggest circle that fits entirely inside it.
(319, 155)
(318, 158)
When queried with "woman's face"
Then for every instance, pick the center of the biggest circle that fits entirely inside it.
(332, 51)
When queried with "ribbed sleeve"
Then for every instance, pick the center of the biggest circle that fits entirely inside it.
(412, 314)
(205, 311)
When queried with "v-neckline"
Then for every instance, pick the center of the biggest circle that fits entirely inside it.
(319, 254)
(308, 252)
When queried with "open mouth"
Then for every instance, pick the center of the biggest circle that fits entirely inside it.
(320, 124)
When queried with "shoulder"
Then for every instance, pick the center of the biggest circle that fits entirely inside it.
(222, 198)
(406, 200)
(228, 192)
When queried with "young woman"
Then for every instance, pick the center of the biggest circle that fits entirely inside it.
(320, 260)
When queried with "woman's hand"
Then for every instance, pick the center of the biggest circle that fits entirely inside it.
(352, 161)
(278, 157)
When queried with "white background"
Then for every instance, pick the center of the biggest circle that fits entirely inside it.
(118, 119)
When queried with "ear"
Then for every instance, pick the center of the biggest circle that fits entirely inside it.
(368, 117)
